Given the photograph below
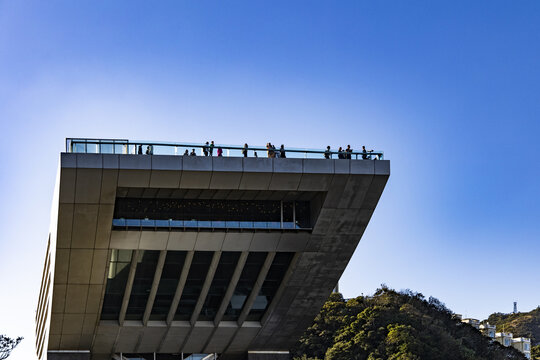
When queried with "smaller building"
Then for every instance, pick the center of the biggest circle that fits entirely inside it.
(488, 330)
(473, 322)
(523, 345)
(504, 338)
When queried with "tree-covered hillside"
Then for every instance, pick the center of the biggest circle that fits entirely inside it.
(394, 325)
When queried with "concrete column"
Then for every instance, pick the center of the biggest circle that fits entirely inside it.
(206, 287)
(155, 284)
(256, 288)
(180, 287)
(230, 289)
(129, 285)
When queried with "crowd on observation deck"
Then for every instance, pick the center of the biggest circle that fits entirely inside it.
(271, 151)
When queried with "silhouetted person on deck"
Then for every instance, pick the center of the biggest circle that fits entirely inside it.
(365, 152)
(340, 153)
(211, 147)
(348, 151)
(282, 152)
(186, 153)
(193, 153)
(205, 149)
(219, 151)
(255, 154)
(327, 153)
(139, 151)
(245, 150)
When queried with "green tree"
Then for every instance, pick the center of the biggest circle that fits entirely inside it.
(7, 345)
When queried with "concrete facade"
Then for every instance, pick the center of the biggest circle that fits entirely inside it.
(343, 195)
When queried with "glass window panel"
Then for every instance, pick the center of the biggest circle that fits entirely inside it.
(92, 148)
(168, 283)
(120, 149)
(117, 276)
(119, 222)
(302, 214)
(222, 278)
(162, 223)
(79, 147)
(133, 222)
(106, 148)
(252, 267)
(142, 283)
(148, 223)
(271, 283)
(177, 223)
(194, 283)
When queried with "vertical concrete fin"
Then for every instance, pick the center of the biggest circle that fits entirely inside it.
(155, 284)
(256, 288)
(232, 285)
(206, 287)
(129, 285)
(180, 287)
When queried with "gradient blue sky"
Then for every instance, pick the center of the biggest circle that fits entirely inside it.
(450, 90)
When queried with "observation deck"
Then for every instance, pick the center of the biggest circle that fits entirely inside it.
(164, 254)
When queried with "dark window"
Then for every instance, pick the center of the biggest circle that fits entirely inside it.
(170, 276)
(302, 214)
(217, 213)
(142, 283)
(194, 283)
(117, 276)
(270, 285)
(245, 284)
(222, 278)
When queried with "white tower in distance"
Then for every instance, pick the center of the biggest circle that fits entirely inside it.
(515, 307)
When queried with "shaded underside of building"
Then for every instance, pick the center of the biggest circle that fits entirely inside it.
(176, 254)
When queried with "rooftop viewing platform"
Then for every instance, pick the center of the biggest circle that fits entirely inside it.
(123, 146)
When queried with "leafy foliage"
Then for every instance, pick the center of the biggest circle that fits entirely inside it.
(535, 352)
(519, 324)
(7, 345)
(394, 325)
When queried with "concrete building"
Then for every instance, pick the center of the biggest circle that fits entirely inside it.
(523, 345)
(504, 338)
(473, 322)
(168, 256)
(488, 330)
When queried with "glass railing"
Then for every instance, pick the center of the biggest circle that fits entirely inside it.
(123, 146)
(149, 224)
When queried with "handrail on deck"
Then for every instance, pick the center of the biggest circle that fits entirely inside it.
(124, 146)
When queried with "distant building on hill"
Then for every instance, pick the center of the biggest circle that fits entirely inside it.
(523, 345)
(473, 322)
(504, 338)
(488, 330)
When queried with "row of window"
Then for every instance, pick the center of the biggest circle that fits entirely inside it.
(150, 224)
(147, 260)
(211, 210)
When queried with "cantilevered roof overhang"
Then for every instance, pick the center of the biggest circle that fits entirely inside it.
(343, 195)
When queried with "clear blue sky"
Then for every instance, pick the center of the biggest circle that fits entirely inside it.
(450, 90)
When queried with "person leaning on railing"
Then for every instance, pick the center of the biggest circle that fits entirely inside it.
(245, 150)
(365, 152)
(328, 153)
